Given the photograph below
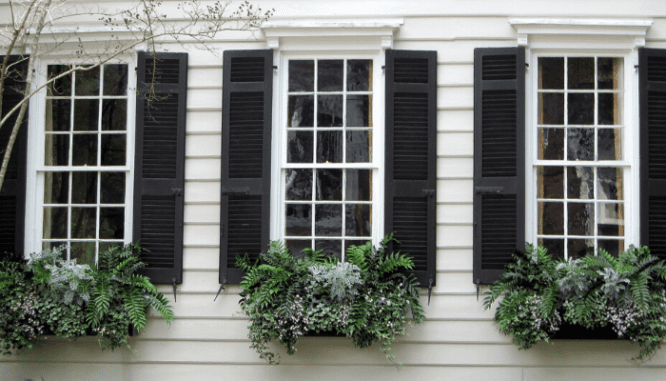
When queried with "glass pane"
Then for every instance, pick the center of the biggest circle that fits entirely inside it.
(581, 218)
(87, 82)
(296, 246)
(84, 221)
(83, 252)
(56, 150)
(58, 112)
(329, 111)
(55, 223)
(85, 149)
(61, 86)
(331, 247)
(112, 223)
(551, 218)
(581, 73)
(609, 109)
(359, 185)
(609, 181)
(115, 79)
(329, 184)
(328, 220)
(358, 147)
(613, 246)
(114, 114)
(86, 112)
(551, 144)
(301, 75)
(551, 108)
(329, 75)
(551, 73)
(581, 108)
(550, 182)
(329, 147)
(298, 220)
(359, 74)
(56, 187)
(609, 72)
(113, 187)
(113, 149)
(580, 144)
(84, 187)
(611, 219)
(578, 248)
(610, 144)
(52, 245)
(299, 147)
(554, 246)
(580, 183)
(358, 111)
(358, 220)
(301, 111)
(106, 246)
(298, 184)
(354, 242)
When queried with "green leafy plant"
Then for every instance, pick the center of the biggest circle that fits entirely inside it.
(626, 293)
(366, 298)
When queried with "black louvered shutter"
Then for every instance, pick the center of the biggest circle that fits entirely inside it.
(246, 157)
(159, 170)
(652, 88)
(12, 195)
(499, 159)
(411, 156)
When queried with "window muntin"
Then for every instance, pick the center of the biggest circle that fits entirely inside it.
(85, 165)
(580, 164)
(328, 174)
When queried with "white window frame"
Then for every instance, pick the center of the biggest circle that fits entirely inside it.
(36, 141)
(330, 39)
(582, 38)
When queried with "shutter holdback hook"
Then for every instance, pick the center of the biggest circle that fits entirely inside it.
(224, 280)
(173, 282)
(429, 290)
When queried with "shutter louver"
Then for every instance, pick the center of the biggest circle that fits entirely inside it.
(652, 89)
(246, 158)
(159, 177)
(12, 194)
(499, 159)
(411, 134)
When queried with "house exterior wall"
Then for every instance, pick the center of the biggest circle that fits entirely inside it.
(459, 340)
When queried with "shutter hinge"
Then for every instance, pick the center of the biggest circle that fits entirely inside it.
(429, 290)
(177, 191)
(173, 280)
(637, 67)
(275, 69)
(224, 280)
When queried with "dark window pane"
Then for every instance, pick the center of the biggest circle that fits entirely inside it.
(299, 147)
(329, 184)
(114, 115)
(328, 220)
(358, 75)
(52, 245)
(550, 182)
(329, 111)
(332, 248)
(84, 187)
(55, 223)
(551, 218)
(359, 185)
(551, 108)
(358, 110)
(613, 246)
(609, 73)
(580, 183)
(581, 108)
(61, 86)
(58, 115)
(609, 109)
(610, 144)
(354, 242)
(551, 144)
(301, 75)
(581, 73)
(610, 183)
(301, 111)
(115, 79)
(106, 246)
(611, 219)
(580, 144)
(551, 73)
(85, 149)
(113, 187)
(578, 248)
(298, 184)
(113, 149)
(358, 147)
(83, 252)
(56, 187)
(581, 218)
(554, 246)
(329, 75)
(84, 221)
(112, 223)
(298, 220)
(329, 147)
(87, 82)
(86, 112)
(357, 220)
(296, 246)
(56, 150)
